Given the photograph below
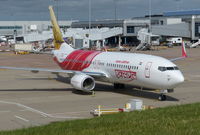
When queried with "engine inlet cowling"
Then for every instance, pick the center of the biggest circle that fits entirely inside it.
(83, 82)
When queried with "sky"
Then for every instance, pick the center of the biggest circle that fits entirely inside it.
(29, 10)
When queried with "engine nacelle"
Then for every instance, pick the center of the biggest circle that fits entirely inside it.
(83, 82)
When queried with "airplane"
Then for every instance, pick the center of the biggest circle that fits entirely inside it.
(120, 68)
(3, 39)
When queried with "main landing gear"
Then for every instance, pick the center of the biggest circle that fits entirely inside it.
(119, 86)
(162, 97)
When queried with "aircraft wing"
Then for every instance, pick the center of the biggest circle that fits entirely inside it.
(36, 70)
(184, 54)
(175, 59)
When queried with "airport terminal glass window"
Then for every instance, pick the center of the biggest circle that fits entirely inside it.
(11, 27)
(154, 22)
(161, 22)
(197, 29)
(130, 29)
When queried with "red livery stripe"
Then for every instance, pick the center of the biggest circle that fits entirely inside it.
(78, 60)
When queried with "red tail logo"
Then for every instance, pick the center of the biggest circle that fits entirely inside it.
(184, 54)
(78, 60)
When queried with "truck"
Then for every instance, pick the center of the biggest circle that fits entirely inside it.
(175, 40)
(18, 48)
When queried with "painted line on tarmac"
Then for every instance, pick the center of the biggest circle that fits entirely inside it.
(33, 110)
(23, 110)
(26, 107)
(39, 112)
(21, 118)
(70, 112)
(4, 111)
(65, 117)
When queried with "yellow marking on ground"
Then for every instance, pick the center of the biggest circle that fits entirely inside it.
(6, 54)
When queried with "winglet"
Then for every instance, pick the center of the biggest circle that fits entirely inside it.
(58, 39)
(184, 54)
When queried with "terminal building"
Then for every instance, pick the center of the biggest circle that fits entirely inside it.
(184, 24)
(178, 24)
(9, 28)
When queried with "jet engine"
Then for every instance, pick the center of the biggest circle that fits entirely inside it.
(83, 82)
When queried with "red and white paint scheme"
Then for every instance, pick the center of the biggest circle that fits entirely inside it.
(119, 68)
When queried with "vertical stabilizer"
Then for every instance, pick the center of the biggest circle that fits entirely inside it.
(184, 54)
(58, 39)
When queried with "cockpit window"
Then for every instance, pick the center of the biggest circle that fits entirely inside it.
(170, 68)
(176, 68)
(162, 69)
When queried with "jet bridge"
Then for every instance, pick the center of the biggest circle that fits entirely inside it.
(83, 36)
(146, 39)
(195, 44)
(104, 33)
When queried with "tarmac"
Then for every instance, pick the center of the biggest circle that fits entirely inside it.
(28, 99)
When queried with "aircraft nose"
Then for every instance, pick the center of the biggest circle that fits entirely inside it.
(179, 78)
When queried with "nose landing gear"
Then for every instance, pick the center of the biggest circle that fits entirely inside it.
(162, 96)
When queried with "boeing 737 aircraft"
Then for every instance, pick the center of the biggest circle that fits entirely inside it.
(119, 68)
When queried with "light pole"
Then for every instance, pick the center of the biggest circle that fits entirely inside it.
(115, 9)
(177, 5)
(89, 14)
(150, 13)
(56, 3)
(150, 6)
(115, 12)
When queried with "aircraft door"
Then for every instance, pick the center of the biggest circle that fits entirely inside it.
(148, 69)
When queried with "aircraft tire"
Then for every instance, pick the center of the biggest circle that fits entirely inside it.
(162, 97)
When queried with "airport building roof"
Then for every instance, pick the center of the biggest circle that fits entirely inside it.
(101, 23)
(182, 13)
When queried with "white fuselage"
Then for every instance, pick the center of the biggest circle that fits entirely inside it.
(137, 69)
(127, 68)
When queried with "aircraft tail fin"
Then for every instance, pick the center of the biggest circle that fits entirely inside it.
(184, 53)
(58, 39)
